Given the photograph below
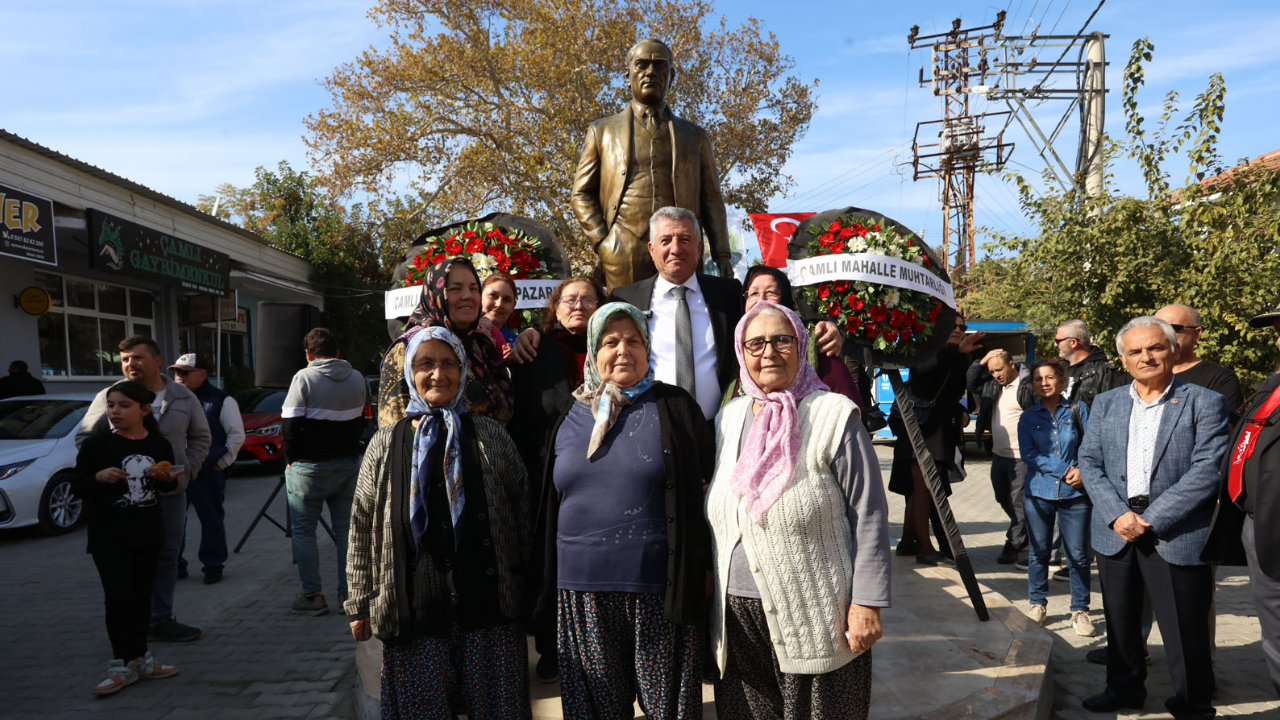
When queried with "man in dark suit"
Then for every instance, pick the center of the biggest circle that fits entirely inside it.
(713, 306)
(1249, 489)
(1149, 461)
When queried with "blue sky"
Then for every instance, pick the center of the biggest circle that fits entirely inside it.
(182, 96)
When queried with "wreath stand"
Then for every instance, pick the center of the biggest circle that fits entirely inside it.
(929, 469)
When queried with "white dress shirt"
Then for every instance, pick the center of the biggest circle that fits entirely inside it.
(1144, 426)
(662, 334)
(233, 425)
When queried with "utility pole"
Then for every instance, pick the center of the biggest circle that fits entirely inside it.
(962, 149)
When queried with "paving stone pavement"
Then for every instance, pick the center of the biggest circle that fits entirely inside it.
(256, 659)
(1244, 687)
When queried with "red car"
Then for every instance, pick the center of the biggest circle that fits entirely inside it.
(263, 445)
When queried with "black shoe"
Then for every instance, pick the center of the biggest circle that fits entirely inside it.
(934, 559)
(1110, 702)
(906, 549)
(182, 573)
(547, 669)
(1062, 574)
(212, 576)
(1008, 556)
(172, 631)
(1097, 656)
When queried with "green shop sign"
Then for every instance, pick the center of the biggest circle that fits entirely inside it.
(118, 245)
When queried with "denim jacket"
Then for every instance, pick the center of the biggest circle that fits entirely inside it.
(1049, 445)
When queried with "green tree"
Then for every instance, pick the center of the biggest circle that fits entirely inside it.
(352, 252)
(479, 105)
(1210, 242)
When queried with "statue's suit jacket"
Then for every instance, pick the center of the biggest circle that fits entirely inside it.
(602, 176)
(1190, 443)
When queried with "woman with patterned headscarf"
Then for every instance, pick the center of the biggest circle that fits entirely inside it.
(437, 548)
(800, 536)
(621, 547)
(451, 300)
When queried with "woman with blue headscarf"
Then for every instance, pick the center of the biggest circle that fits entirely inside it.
(622, 550)
(437, 546)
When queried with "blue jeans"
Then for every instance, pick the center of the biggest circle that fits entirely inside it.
(312, 485)
(173, 525)
(206, 494)
(1073, 515)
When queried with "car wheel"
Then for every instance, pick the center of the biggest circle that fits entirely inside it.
(60, 509)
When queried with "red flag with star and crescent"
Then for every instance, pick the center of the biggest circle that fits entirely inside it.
(773, 232)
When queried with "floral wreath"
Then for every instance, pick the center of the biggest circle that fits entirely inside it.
(490, 248)
(892, 319)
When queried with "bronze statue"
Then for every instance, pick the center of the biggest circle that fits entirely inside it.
(642, 159)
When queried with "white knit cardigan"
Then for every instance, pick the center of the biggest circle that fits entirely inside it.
(800, 553)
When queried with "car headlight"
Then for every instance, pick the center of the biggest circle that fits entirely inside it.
(266, 430)
(8, 471)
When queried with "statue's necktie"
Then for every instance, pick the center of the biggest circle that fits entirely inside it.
(684, 341)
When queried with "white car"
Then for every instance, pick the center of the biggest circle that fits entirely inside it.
(37, 456)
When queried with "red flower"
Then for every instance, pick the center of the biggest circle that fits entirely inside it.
(933, 313)
(453, 248)
(896, 318)
(859, 230)
(846, 233)
(514, 320)
(912, 317)
(841, 286)
(853, 324)
(475, 245)
(910, 242)
(837, 248)
(917, 328)
(440, 257)
(824, 290)
(855, 302)
(834, 227)
(878, 313)
(827, 239)
(875, 228)
(891, 335)
(833, 309)
(469, 235)
(872, 331)
(496, 253)
(927, 263)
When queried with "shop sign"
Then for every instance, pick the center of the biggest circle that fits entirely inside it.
(26, 226)
(118, 245)
(35, 301)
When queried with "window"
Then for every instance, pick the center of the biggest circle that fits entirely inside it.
(80, 334)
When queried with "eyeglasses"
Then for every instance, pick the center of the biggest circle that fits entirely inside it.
(1059, 341)
(1180, 328)
(429, 366)
(782, 344)
(770, 295)
(585, 303)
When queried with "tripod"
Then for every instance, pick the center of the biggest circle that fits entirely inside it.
(286, 528)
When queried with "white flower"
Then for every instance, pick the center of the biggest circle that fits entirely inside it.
(917, 257)
(891, 298)
(857, 244)
(859, 287)
(875, 251)
(484, 264)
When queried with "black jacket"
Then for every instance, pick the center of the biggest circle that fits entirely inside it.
(988, 391)
(1224, 546)
(541, 391)
(688, 460)
(18, 384)
(1093, 376)
(724, 302)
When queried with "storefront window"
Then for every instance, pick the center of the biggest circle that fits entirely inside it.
(81, 337)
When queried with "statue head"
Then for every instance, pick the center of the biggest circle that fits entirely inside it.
(650, 71)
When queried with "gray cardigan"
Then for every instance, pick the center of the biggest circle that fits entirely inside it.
(182, 422)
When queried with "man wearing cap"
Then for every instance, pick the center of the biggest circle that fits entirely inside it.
(1245, 527)
(206, 491)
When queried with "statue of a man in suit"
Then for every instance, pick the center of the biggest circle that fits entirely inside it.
(642, 159)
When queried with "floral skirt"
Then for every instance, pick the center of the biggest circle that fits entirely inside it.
(617, 647)
(754, 687)
(483, 673)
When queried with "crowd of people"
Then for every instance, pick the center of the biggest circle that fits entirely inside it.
(673, 481)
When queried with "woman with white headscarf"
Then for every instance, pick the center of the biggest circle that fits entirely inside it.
(800, 536)
(622, 551)
(437, 546)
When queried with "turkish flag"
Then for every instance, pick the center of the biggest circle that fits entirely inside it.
(773, 232)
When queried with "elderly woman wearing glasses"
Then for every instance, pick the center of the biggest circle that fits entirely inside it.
(621, 546)
(437, 547)
(799, 534)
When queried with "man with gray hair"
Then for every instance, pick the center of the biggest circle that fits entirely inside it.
(1089, 372)
(1149, 462)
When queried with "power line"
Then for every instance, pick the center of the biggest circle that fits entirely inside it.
(851, 175)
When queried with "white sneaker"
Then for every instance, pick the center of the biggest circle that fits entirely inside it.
(1037, 613)
(119, 675)
(1083, 625)
(148, 669)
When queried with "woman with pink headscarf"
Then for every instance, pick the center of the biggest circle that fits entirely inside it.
(799, 525)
